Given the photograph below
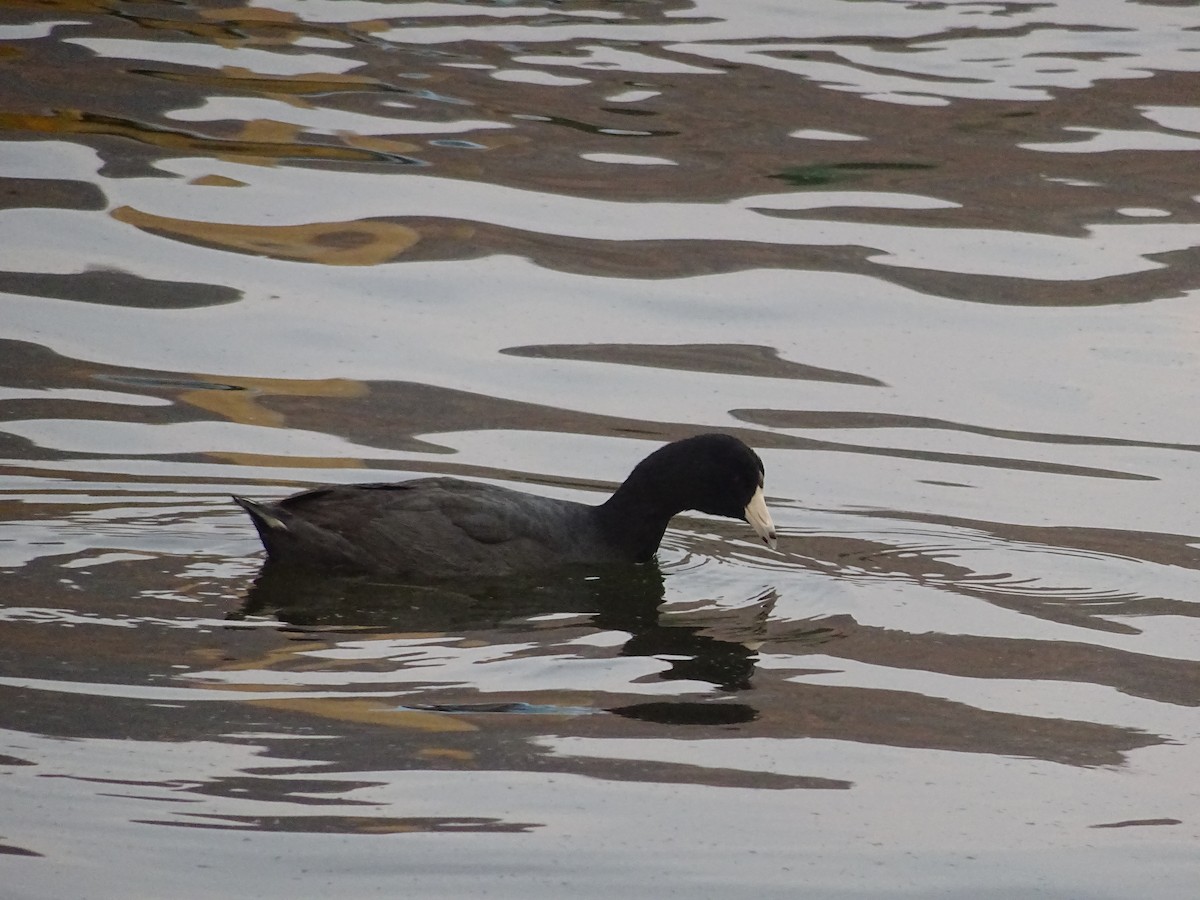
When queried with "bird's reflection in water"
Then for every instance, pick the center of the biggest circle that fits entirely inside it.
(623, 595)
(625, 599)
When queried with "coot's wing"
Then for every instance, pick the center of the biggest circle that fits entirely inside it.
(428, 528)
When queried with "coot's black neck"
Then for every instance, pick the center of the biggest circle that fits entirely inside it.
(713, 473)
(635, 518)
(633, 530)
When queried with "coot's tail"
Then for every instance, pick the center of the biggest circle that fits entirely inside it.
(264, 520)
(271, 528)
(293, 541)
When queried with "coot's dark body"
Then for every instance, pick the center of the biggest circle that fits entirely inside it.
(434, 528)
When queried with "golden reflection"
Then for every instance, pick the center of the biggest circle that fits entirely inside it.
(360, 243)
(269, 131)
(251, 14)
(255, 27)
(288, 653)
(460, 756)
(216, 181)
(376, 144)
(370, 712)
(241, 405)
(237, 78)
(298, 657)
(287, 25)
(74, 122)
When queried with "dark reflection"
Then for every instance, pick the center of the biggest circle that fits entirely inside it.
(116, 288)
(347, 824)
(627, 594)
(18, 193)
(285, 789)
(618, 599)
(689, 713)
(724, 359)
(590, 128)
(390, 413)
(825, 174)
(244, 81)
(796, 704)
(1133, 822)
(701, 657)
(403, 415)
(662, 712)
(846, 419)
(166, 383)
(628, 111)
(9, 850)
(517, 708)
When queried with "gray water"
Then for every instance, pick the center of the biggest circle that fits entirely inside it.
(937, 262)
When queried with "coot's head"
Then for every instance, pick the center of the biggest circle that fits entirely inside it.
(715, 474)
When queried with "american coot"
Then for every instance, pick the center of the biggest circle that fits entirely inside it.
(435, 528)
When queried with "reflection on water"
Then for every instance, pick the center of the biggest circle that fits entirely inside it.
(624, 601)
(936, 262)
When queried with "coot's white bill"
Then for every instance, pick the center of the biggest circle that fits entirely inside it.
(759, 518)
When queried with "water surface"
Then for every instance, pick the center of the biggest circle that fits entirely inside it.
(936, 262)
